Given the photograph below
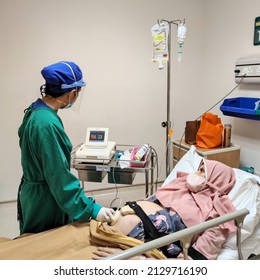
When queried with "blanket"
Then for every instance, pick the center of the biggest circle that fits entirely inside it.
(75, 241)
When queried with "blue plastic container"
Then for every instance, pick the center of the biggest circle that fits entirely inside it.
(241, 107)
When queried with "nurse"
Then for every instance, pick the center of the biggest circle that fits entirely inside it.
(49, 194)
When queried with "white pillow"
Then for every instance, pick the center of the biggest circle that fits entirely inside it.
(252, 244)
(245, 194)
(188, 163)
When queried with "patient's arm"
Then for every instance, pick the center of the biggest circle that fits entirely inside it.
(210, 242)
(102, 252)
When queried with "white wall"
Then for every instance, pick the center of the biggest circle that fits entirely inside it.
(111, 41)
(228, 35)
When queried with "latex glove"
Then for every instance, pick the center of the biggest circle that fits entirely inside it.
(105, 215)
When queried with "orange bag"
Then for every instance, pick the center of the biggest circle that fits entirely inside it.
(210, 131)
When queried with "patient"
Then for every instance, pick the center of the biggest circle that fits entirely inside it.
(187, 200)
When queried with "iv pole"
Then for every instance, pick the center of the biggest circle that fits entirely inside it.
(167, 124)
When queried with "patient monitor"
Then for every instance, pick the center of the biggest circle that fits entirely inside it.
(97, 148)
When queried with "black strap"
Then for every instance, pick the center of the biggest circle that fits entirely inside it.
(150, 231)
(195, 255)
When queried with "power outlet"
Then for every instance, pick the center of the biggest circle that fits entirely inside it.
(247, 69)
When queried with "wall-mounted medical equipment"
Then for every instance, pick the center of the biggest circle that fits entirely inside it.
(247, 69)
(96, 148)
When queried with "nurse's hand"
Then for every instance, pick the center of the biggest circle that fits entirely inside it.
(105, 215)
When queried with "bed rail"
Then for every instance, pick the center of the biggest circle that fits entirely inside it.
(185, 236)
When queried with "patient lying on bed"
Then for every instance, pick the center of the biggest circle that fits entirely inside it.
(184, 202)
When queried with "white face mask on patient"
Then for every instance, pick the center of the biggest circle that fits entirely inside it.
(196, 182)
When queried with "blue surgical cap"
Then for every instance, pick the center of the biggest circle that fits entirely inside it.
(61, 77)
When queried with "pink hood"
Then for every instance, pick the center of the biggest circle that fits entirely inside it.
(195, 208)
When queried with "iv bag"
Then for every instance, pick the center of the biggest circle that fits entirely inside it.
(160, 34)
(181, 33)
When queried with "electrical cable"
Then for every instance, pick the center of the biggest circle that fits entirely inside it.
(156, 165)
(242, 78)
(165, 155)
(75, 148)
(116, 186)
(117, 197)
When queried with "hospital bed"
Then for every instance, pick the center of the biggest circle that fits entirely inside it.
(245, 196)
(78, 240)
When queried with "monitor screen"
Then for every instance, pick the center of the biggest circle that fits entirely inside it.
(97, 136)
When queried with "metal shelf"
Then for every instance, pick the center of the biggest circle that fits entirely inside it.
(96, 172)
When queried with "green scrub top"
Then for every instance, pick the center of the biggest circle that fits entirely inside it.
(49, 194)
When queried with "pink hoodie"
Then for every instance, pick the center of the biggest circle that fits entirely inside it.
(211, 202)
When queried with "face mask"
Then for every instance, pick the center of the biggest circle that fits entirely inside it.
(69, 105)
(195, 182)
